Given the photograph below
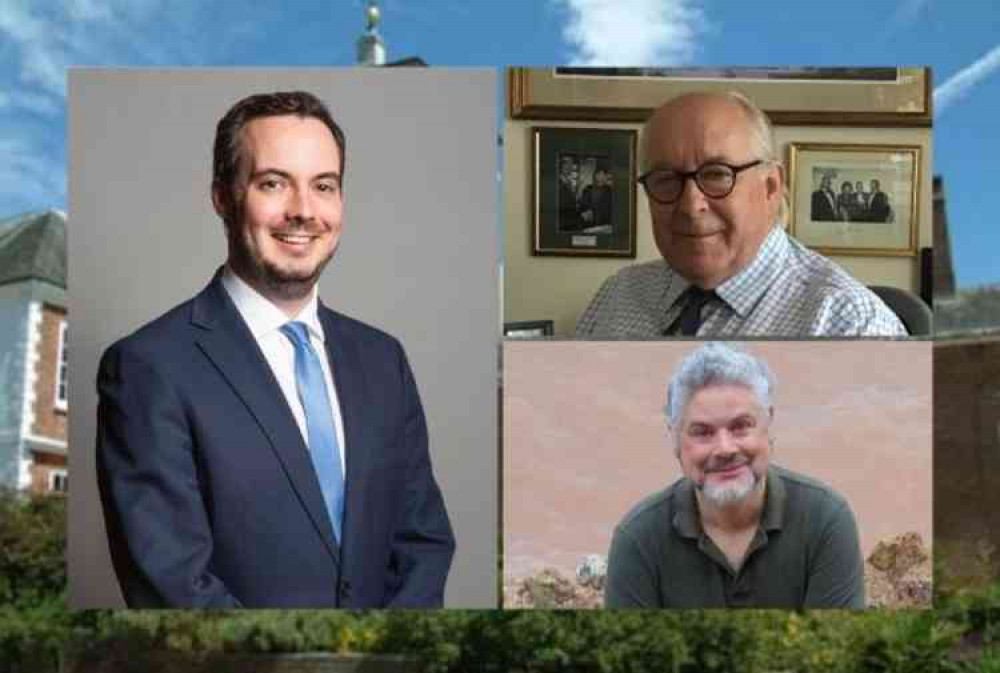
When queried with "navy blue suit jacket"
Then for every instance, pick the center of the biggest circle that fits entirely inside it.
(209, 494)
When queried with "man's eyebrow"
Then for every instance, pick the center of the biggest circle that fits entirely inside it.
(712, 159)
(328, 175)
(716, 420)
(270, 171)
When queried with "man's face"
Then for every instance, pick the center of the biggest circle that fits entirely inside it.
(710, 240)
(825, 184)
(874, 185)
(724, 445)
(287, 216)
(859, 186)
(569, 170)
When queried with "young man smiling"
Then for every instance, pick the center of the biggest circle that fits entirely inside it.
(735, 531)
(255, 448)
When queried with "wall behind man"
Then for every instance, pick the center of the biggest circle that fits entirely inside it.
(417, 258)
(585, 437)
(559, 288)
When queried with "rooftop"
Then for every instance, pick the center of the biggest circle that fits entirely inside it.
(33, 247)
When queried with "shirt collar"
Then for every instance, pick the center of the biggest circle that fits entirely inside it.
(744, 290)
(687, 521)
(674, 289)
(775, 500)
(263, 317)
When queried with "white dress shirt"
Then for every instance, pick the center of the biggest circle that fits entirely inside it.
(265, 320)
(786, 291)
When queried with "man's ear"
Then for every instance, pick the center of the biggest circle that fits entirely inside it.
(220, 200)
(675, 439)
(770, 435)
(775, 181)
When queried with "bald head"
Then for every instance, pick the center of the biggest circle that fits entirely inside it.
(729, 112)
(709, 237)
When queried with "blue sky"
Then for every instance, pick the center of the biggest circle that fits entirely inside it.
(958, 39)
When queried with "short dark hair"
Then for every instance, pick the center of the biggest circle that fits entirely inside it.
(228, 149)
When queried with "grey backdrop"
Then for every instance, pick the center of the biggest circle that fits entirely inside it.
(417, 258)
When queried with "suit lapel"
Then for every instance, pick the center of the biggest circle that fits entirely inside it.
(349, 380)
(227, 342)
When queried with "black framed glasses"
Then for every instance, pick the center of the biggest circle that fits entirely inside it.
(715, 180)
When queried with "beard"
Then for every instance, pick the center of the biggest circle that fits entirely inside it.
(731, 491)
(273, 279)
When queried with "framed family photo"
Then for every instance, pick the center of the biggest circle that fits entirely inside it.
(584, 184)
(855, 199)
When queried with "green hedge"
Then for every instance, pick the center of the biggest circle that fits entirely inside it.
(37, 632)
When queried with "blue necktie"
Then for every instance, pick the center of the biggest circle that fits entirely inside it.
(323, 445)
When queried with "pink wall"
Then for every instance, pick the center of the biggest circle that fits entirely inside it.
(585, 437)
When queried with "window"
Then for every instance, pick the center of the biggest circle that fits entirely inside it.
(58, 481)
(61, 369)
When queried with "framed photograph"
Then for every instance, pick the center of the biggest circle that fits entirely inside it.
(885, 96)
(855, 199)
(583, 184)
(528, 329)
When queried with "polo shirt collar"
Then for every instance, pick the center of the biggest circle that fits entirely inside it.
(686, 519)
(775, 501)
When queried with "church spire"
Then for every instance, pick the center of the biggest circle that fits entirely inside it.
(371, 47)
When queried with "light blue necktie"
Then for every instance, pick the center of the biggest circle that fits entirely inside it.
(323, 445)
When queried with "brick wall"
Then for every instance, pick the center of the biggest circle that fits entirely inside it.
(49, 420)
(42, 467)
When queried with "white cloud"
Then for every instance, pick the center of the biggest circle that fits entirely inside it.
(632, 32)
(47, 38)
(26, 176)
(961, 83)
(40, 40)
(29, 102)
(908, 11)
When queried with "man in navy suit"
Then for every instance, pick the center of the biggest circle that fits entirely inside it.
(255, 448)
(879, 210)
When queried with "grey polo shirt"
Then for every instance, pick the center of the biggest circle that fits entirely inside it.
(805, 553)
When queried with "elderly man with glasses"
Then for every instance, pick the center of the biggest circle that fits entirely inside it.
(717, 200)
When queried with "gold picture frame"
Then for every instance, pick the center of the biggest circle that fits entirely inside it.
(816, 96)
(829, 215)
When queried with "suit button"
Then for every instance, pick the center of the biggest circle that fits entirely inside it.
(345, 590)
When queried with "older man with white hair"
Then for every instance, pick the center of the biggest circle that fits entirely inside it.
(718, 204)
(735, 530)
